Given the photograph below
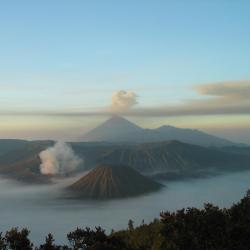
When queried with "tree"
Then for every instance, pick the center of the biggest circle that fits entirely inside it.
(49, 244)
(85, 238)
(130, 225)
(96, 239)
(18, 240)
(2, 242)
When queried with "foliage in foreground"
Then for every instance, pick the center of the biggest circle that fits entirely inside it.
(209, 228)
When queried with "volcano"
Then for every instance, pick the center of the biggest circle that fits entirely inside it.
(113, 181)
(120, 130)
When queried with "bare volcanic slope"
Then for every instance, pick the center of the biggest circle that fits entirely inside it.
(22, 163)
(112, 181)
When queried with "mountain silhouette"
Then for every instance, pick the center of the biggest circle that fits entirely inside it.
(118, 129)
(114, 129)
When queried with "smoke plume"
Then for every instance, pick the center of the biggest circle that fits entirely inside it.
(123, 100)
(59, 159)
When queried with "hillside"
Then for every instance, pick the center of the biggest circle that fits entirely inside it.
(149, 158)
(162, 157)
(22, 163)
(7, 145)
(117, 129)
(113, 181)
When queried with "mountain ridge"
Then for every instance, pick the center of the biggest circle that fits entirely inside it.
(173, 156)
(118, 129)
(147, 158)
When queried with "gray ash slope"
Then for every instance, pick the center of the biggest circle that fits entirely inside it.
(111, 181)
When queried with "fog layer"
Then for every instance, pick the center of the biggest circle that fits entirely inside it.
(42, 208)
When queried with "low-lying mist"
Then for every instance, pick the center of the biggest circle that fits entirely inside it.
(43, 209)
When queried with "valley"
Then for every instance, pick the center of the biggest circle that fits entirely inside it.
(118, 169)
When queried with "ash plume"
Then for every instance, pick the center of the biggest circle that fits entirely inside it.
(59, 159)
(123, 101)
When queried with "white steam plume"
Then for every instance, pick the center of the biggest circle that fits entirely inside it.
(59, 159)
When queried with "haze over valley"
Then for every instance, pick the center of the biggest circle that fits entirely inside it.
(111, 171)
(124, 125)
(43, 206)
(39, 161)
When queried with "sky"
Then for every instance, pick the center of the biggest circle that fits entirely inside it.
(66, 66)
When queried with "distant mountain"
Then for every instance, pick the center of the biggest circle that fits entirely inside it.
(110, 181)
(115, 129)
(192, 136)
(118, 129)
(7, 145)
(245, 150)
(163, 157)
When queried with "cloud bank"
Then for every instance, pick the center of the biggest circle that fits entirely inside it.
(59, 159)
(232, 90)
(222, 98)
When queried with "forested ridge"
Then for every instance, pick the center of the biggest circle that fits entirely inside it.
(208, 228)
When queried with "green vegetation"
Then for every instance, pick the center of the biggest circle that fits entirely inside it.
(209, 228)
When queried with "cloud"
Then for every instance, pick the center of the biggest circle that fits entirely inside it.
(59, 159)
(229, 98)
(123, 101)
(232, 97)
(231, 90)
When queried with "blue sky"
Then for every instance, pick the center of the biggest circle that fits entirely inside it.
(58, 56)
